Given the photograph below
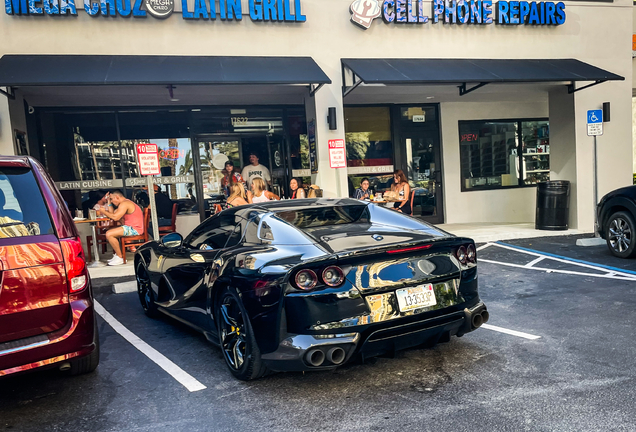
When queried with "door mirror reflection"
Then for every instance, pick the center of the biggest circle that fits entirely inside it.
(172, 240)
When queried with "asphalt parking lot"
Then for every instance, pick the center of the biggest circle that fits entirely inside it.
(567, 365)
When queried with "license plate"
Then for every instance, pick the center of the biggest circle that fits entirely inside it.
(416, 297)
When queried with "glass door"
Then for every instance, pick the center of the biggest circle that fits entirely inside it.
(214, 152)
(277, 159)
(418, 129)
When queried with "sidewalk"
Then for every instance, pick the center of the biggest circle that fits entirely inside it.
(113, 271)
(490, 232)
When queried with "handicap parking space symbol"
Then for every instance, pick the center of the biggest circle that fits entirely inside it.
(595, 116)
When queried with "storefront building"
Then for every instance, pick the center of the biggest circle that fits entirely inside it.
(476, 101)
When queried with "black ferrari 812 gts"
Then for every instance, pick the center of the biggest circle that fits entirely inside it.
(304, 285)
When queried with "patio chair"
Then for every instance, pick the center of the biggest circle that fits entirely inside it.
(129, 242)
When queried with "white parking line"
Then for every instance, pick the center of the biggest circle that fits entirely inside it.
(484, 246)
(619, 275)
(511, 332)
(533, 262)
(175, 371)
(569, 272)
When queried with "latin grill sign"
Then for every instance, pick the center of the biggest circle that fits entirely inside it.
(475, 12)
(275, 11)
(148, 159)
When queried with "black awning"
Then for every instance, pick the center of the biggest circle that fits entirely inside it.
(463, 71)
(73, 70)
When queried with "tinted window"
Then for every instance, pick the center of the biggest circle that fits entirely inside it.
(22, 208)
(214, 232)
(324, 216)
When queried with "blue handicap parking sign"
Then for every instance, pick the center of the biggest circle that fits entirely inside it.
(595, 116)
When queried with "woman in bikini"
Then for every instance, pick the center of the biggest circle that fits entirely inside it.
(401, 186)
(259, 193)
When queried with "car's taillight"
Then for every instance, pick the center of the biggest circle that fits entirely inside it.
(76, 271)
(471, 253)
(333, 276)
(306, 279)
(461, 254)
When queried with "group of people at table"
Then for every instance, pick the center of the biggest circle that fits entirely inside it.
(246, 187)
(250, 186)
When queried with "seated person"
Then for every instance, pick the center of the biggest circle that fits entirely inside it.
(163, 204)
(363, 191)
(133, 219)
(260, 193)
(297, 192)
(237, 196)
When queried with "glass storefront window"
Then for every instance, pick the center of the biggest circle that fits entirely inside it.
(506, 153)
(369, 146)
(536, 151)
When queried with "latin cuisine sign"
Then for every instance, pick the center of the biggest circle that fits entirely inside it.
(275, 11)
(475, 12)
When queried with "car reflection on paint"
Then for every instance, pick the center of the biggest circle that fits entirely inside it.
(311, 284)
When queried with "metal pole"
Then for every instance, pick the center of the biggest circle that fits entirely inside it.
(595, 193)
(153, 208)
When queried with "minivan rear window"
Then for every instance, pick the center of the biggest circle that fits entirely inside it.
(22, 209)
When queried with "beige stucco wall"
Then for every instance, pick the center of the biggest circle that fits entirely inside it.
(597, 33)
(501, 205)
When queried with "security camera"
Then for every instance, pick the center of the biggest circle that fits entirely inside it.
(31, 110)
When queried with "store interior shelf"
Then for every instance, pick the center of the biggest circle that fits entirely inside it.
(537, 171)
(536, 154)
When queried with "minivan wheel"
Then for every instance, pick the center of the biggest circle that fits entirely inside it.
(620, 235)
(87, 363)
(144, 289)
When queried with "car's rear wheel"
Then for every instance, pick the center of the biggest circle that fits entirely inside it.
(620, 235)
(238, 345)
(87, 363)
(144, 289)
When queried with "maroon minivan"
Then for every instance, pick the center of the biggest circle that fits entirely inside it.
(47, 316)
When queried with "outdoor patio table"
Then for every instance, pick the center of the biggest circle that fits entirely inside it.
(93, 222)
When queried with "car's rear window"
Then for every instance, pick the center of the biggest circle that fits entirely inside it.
(22, 208)
(325, 216)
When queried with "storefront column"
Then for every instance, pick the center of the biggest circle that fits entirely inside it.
(333, 181)
(6, 135)
(563, 145)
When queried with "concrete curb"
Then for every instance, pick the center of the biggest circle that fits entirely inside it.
(125, 287)
(595, 241)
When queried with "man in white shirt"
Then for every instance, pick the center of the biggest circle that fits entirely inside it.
(250, 172)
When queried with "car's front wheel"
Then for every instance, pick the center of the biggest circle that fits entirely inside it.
(144, 289)
(238, 345)
(620, 235)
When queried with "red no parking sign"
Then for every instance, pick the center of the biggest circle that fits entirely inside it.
(148, 157)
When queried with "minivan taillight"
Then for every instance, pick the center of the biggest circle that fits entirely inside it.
(75, 263)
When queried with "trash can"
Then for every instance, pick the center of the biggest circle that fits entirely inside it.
(553, 205)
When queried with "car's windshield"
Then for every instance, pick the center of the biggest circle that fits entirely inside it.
(325, 216)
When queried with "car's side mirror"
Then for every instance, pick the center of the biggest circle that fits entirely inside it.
(172, 240)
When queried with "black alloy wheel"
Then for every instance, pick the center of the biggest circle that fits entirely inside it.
(238, 345)
(146, 295)
(620, 235)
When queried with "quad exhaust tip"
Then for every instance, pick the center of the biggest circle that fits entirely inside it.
(315, 357)
(336, 355)
(480, 318)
